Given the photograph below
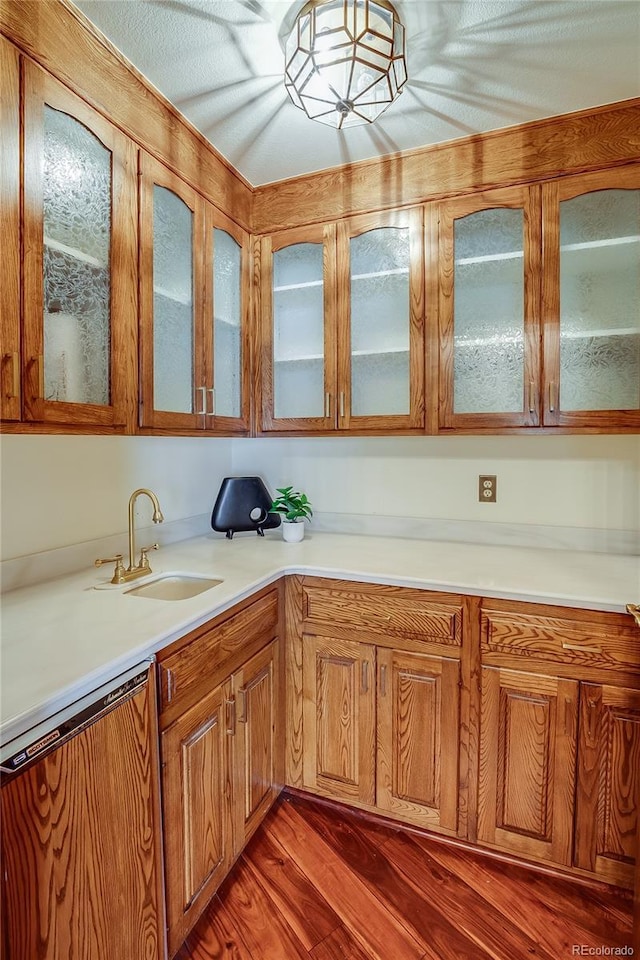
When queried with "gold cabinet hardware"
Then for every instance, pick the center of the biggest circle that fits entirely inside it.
(568, 716)
(552, 397)
(580, 648)
(170, 682)
(327, 404)
(230, 709)
(342, 403)
(383, 680)
(591, 718)
(15, 375)
(532, 403)
(203, 397)
(242, 700)
(119, 572)
(365, 676)
(634, 610)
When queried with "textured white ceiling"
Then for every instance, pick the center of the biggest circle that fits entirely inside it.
(474, 65)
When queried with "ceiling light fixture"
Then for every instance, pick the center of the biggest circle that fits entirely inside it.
(345, 60)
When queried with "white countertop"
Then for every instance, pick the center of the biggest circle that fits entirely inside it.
(63, 638)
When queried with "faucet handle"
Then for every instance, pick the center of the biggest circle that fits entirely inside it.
(144, 560)
(118, 573)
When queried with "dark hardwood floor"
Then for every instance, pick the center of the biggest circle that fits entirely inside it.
(321, 882)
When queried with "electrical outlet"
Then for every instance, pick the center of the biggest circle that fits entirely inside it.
(487, 489)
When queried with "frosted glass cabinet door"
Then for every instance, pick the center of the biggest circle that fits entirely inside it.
(228, 271)
(488, 314)
(593, 342)
(381, 365)
(173, 387)
(298, 372)
(10, 387)
(173, 312)
(78, 178)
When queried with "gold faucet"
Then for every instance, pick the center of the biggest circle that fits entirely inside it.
(132, 572)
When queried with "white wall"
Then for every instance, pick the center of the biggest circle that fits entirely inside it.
(62, 490)
(579, 481)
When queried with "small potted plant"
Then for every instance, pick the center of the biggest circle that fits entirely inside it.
(294, 508)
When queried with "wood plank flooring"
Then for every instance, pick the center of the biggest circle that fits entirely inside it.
(321, 882)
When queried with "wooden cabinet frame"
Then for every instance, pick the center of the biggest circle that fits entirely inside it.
(553, 193)
(10, 379)
(326, 235)
(40, 89)
(529, 200)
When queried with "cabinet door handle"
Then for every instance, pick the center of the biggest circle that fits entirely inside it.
(212, 394)
(552, 397)
(580, 648)
(170, 683)
(383, 680)
(532, 402)
(15, 375)
(591, 717)
(327, 404)
(342, 403)
(40, 361)
(203, 397)
(230, 708)
(242, 712)
(365, 676)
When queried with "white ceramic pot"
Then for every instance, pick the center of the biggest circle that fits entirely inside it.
(293, 531)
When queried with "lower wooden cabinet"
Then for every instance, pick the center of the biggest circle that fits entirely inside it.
(527, 763)
(257, 778)
(221, 757)
(608, 788)
(198, 824)
(338, 679)
(381, 728)
(418, 730)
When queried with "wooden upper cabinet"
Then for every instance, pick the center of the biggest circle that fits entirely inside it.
(79, 262)
(489, 270)
(343, 325)
(591, 292)
(194, 305)
(380, 319)
(298, 356)
(10, 386)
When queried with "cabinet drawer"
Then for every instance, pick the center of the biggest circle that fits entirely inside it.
(215, 653)
(595, 640)
(392, 611)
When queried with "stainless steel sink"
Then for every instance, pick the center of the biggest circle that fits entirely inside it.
(173, 586)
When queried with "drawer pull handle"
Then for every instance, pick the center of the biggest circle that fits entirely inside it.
(580, 648)
(383, 680)
(242, 712)
(230, 706)
(365, 676)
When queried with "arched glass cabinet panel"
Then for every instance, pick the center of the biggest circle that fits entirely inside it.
(79, 287)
